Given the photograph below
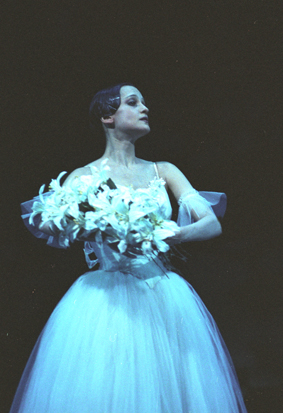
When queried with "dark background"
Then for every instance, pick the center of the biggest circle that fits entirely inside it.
(211, 74)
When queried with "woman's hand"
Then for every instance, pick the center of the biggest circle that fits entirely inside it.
(175, 239)
(206, 228)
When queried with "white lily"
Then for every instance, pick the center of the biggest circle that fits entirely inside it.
(55, 183)
(88, 204)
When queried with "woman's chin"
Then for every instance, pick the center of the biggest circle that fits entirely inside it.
(139, 133)
(145, 131)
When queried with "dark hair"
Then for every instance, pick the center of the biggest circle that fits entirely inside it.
(106, 102)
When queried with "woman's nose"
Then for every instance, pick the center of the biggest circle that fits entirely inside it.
(144, 108)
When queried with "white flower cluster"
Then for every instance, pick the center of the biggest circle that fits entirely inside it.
(92, 204)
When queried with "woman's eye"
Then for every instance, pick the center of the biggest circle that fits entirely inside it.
(132, 102)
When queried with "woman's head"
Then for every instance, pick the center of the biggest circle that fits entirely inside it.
(106, 102)
(121, 107)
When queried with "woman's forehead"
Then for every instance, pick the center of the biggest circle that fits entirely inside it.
(128, 90)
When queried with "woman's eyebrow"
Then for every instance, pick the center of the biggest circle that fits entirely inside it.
(133, 94)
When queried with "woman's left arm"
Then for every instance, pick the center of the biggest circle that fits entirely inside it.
(205, 225)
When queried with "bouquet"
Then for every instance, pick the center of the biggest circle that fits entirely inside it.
(93, 207)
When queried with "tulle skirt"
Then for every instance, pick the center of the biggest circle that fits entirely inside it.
(114, 345)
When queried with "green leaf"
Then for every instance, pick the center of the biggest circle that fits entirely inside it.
(111, 184)
(85, 207)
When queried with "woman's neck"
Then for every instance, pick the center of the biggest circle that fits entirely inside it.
(119, 151)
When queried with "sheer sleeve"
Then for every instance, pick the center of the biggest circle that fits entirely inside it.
(215, 201)
(26, 208)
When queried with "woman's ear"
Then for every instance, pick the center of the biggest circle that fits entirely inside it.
(107, 120)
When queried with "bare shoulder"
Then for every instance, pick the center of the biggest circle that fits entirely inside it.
(169, 171)
(95, 163)
(175, 179)
(167, 167)
(85, 170)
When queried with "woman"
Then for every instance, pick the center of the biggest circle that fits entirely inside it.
(132, 336)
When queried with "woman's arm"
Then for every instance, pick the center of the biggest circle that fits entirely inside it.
(206, 228)
(206, 224)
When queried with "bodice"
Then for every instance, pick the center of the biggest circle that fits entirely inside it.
(140, 266)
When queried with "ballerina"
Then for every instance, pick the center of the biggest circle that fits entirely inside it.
(132, 336)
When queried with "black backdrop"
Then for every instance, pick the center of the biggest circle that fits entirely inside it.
(211, 74)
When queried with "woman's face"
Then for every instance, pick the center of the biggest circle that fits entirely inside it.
(132, 115)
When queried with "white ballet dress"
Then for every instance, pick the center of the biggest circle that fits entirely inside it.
(130, 337)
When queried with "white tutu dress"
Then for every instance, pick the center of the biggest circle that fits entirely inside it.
(131, 337)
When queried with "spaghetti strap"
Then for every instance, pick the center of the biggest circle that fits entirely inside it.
(156, 170)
